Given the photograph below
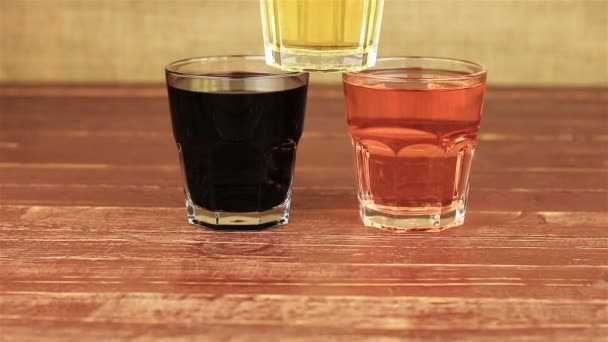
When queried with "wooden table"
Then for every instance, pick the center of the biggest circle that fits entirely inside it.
(94, 243)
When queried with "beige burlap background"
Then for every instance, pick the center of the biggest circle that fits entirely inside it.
(524, 42)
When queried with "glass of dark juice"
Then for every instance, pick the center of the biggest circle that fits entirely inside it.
(237, 123)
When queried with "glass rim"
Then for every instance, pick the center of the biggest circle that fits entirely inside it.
(368, 73)
(171, 67)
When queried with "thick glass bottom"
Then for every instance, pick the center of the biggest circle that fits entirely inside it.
(414, 219)
(223, 220)
(329, 61)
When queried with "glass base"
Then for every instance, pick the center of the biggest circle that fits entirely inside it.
(224, 220)
(330, 61)
(414, 219)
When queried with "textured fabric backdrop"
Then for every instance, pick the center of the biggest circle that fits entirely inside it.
(530, 42)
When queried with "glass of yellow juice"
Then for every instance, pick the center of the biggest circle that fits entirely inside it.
(321, 35)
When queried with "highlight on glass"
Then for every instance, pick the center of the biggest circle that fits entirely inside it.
(414, 122)
(321, 35)
(236, 122)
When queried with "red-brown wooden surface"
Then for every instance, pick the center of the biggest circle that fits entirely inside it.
(94, 243)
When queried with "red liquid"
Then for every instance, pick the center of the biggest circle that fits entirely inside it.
(413, 147)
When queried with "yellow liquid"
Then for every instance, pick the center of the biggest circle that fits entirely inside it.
(322, 28)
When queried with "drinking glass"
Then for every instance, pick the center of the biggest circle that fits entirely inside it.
(414, 122)
(321, 35)
(236, 122)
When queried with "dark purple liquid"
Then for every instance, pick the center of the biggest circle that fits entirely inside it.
(238, 149)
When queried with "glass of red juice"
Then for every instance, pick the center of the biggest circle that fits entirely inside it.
(414, 122)
(236, 122)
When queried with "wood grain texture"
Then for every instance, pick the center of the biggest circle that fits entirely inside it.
(94, 243)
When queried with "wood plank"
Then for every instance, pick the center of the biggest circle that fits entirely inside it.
(481, 222)
(316, 91)
(529, 116)
(57, 330)
(303, 197)
(352, 312)
(516, 239)
(104, 175)
(131, 150)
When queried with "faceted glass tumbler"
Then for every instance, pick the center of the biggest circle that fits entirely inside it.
(321, 35)
(237, 123)
(414, 123)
